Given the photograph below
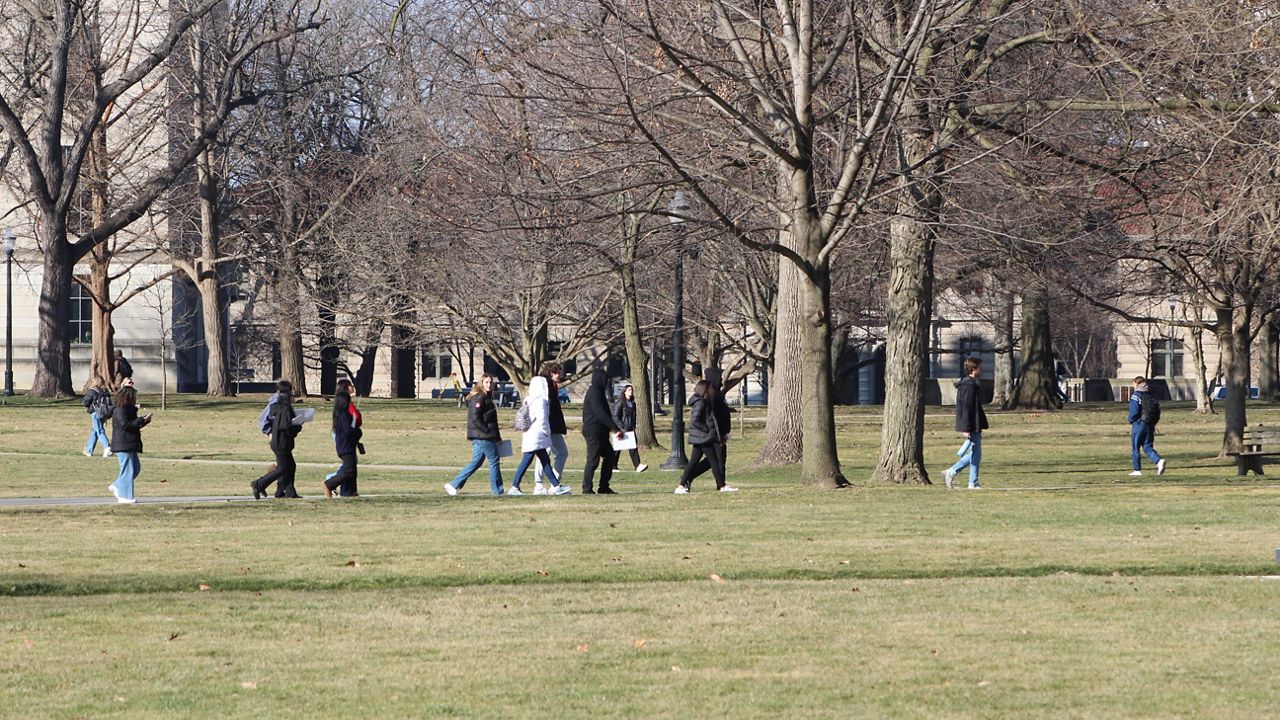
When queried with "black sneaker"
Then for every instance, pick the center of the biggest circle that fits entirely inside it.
(257, 494)
(588, 492)
(607, 491)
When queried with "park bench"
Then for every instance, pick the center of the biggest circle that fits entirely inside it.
(1258, 440)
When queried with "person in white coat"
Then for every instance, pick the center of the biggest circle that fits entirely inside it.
(535, 441)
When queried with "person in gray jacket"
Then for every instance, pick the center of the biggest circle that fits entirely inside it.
(707, 440)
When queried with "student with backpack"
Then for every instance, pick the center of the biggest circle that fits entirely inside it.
(346, 439)
(1144, 414)
(122, 370)
(98, 404)
(533, 420)
(277, 423)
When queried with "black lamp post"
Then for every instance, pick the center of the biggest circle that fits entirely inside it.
(10, 242)
(678, 209)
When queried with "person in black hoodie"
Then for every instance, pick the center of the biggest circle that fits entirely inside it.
(707, 439)
(126, 442)
(279, 426)
(970, 422)
(597, 425)
(485, 437)
(346, 438)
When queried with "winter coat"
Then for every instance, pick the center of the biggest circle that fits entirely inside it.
(126, 429)
(280, 417)
(597, 418)
(724, 419)
(346, 428)
(482, 418)
(624, 411)
(970, 417)
(558, 426)
(538, 436)
(703, 427)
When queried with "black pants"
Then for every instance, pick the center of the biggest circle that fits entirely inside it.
(346, 477)
(705, 456)
(635, 458)
(285, 470)
(599, 453)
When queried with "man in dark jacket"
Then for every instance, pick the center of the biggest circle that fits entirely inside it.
(282, 432)
(121, 369)
(970, 422)
(559, 447)
(597, 425)
(1144, 413)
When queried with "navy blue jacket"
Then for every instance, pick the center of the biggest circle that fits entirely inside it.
(970, 417)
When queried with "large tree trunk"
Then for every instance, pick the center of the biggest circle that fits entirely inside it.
(209, 282)
(289, 325)
(820, 461)
(102, 354)
(782, 430)
(1004, 352)
(53, 357)
(1268, 377)
(634, 340)
(1037, 384)
(1233, 341)
(912, 241)
(328, 335)
(368, 356)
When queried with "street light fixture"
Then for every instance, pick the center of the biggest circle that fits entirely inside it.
(10, 243)
(678, 211)
(1168, 363)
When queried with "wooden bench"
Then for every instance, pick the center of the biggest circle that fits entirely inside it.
(1258, 440)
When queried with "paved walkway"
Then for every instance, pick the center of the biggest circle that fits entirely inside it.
(161, 500)
(252, 463)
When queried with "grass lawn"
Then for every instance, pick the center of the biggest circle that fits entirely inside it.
(1066, 589)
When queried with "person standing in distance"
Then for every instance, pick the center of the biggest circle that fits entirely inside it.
(1144, 413)
(126, 442)
(121, 369)
(971, 420)
(597, 425)
(277, 423)
(624, 414)
(559, 447)
(485, 437)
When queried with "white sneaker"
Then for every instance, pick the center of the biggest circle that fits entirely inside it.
(681, 490)
(450, 489)
(948, 476)
(641, 468)
(1160, 467)
(975, 487)
(125, 501)
(514, 491)
(560, 490)
(86, 453)
(106, 453)
(1136, 473)
(539, 489)
(114, 491)
(728, 488)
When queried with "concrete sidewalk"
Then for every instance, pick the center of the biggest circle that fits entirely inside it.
(161, 500)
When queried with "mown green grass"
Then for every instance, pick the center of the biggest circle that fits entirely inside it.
(1105, 597)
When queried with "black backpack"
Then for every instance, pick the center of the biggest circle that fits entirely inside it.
(1149, 412)
(98, 403)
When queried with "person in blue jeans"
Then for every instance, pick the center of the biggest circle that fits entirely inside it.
(485, 437)
(971, 420)
(1144, 413)
(126, 442)
(97, 402)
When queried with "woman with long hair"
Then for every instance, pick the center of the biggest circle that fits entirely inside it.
(346, 439)
(97, 402)
(126, 442)
(535, 441)
(485, 437)
(624, 413)
(706, 438)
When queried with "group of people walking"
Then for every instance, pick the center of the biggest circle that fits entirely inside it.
(125, 442)
(281, 424)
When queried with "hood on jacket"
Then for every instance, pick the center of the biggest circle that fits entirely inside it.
(538, 388)
(965, 379)
(599, 382)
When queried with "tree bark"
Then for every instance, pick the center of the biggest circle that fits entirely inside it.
(208, 282)
(328, 334)
(1037, 383)
(912, 240)
(289, 324)
(1004, 381)
(102, 355)
(634, 340)
(53, 358)
(1204, 402)
(1233, 341)
(782, 430)
(820, 461)
(1268, 373)
(368, 356)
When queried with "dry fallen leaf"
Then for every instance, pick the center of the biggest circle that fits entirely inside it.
(844, 562)
(203, 587)
(716, 578)
(856, 590)
(686, 557)
(583, 647)
(984, 683)
(675, 668)
(249, 685)
(174, 636)
(352, 564)
(21, 565)
(28, 643)
(543, 573)
(638, 643)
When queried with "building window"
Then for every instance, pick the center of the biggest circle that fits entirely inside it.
(81, 314)
(1166, 358)
(436, 363)
(977, 348)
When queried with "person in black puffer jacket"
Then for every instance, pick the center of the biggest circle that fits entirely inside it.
(346, 439)
(282, 431)
(485, 437)
(707, 439)
(971, 420)
(126, 442)
(624, 415)
(597, 425)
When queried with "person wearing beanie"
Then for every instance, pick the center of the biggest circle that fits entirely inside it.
(1144, 413)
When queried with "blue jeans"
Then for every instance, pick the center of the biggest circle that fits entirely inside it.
(482, 450)
(559, 455)
(972, 459)
(1144, 440)
(543, 459)
(96, 433)
(130, 466)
